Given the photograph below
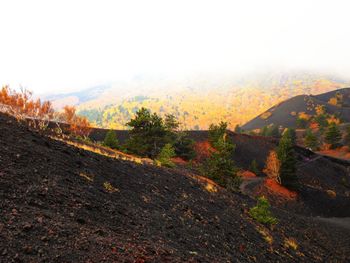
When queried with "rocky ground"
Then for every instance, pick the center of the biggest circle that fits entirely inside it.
(59, 203)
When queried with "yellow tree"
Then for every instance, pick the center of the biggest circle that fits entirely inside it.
(272, 166)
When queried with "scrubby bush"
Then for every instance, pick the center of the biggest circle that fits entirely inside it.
(165, 155)
(111, 140)
(261, 212)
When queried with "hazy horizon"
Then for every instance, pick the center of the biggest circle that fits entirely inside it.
(69, 46)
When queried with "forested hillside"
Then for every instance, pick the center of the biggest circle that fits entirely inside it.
(195, 103)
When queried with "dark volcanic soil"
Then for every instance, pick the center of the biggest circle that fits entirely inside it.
(281, 113)
(63, 204)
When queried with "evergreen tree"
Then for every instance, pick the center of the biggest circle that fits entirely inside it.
(286, 156)
(262, 213)
(220, 166)
(310, 140)
(321, 120)
(292, 135)
(147, 134)
(171, 123)
(333, 135)
(111, 140)
(165, 155)
(217, 133)
(184, 146)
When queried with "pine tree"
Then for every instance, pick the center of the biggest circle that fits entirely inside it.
(166, 154)
(333, 135)
(184, 146)
(292, 134)
(286, 155)
(111, 140)
(220, 166)
(217, 133)
(148, 134)
(262, 213)
(321, 120)
(310, 140)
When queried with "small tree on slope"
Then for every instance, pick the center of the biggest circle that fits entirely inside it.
(310, 140)
(165, 155)
(272, 167)
(111, 140)
(286, 155)
(333, 135)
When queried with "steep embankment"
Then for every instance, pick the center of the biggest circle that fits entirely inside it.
(64, 204)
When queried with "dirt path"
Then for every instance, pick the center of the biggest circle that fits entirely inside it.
(310, 161)
(250, 182)
(339, 221)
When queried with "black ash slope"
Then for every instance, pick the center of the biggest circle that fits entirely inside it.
(54, 208)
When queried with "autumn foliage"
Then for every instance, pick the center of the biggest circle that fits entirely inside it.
(39, 114)
(23, 106)
(78, 126)
(272, 168)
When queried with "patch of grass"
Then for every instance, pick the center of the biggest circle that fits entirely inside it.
(261, 212)
(211, 188)
(291, 243)
(265, 115)
(265, 234)
(110, 188)
(88, 177)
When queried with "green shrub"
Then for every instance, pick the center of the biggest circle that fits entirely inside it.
(165, 155)
(111, 140)
(261, 212)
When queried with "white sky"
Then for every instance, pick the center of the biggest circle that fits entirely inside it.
(51, 46)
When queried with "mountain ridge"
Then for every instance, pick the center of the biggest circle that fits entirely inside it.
(286, 113)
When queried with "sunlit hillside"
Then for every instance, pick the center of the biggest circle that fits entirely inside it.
(196, 103)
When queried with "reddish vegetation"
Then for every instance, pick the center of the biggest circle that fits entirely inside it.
(342, 152)
(278, 189)
(203, 150)
(178, 161)
(246, 174)
(78, 126)
(22, 106)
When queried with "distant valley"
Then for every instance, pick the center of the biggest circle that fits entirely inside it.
(195, 102)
